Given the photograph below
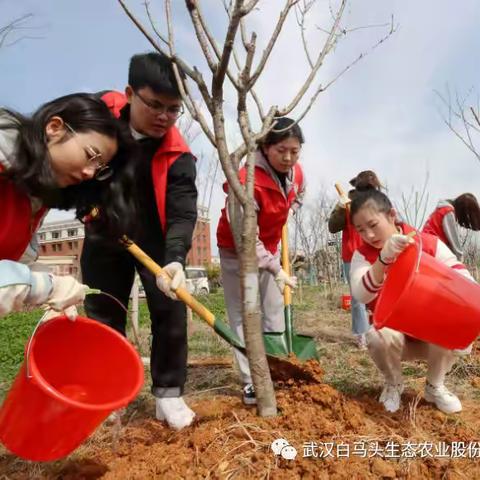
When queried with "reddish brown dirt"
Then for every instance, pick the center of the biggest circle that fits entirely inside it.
(230, 441)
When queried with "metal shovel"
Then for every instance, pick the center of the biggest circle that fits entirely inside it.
(288, 342)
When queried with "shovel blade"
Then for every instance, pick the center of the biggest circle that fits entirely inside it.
(276, 344)
(304, 347)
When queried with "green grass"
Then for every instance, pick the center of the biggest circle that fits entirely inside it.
(15, 331)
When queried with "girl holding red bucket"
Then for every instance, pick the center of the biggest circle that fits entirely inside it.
(279, 187)
(384, 239)
(339, 221)
(69, 154)
(448, 215)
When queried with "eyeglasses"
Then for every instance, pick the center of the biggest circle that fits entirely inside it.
(102, 170)
(173, 112)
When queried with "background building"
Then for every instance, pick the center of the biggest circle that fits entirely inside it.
(61, 244)
(200, 254)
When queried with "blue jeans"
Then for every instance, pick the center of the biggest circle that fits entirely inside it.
(360, 322)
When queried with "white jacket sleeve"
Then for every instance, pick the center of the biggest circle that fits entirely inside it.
(447, 257)
(450, 228)
(20, 286)
(364, 287)
(266, 259)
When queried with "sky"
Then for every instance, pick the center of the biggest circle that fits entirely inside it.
(383, 114)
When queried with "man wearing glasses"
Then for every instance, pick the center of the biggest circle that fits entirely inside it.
(167, 202)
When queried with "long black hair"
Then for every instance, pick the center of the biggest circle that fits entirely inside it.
(30, 169)
(467, 211)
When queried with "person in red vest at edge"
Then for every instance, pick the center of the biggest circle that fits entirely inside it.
(384, 238)
(279, 187)
(448, 215)
(167, 199)
(339, 221)
(69, 155)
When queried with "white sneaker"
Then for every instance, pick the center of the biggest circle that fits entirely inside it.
(391, 396)
(445, 400)
(361, 341)
(174, 411)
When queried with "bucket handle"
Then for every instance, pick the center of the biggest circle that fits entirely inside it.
(420, 250)
(29, 345)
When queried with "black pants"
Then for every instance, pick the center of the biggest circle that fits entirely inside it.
(112, 269)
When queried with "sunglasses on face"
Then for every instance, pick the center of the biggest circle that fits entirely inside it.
(93, 158)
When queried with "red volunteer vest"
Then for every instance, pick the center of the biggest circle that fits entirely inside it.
(172, 147)
(351, 239)
(429, 246)
(273, 208)
(434, 226)
(17, 223)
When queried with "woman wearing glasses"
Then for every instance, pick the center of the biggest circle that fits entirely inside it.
(68, 154)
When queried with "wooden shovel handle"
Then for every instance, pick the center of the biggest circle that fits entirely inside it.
(156, 269)
(287, 293)
(342, 194)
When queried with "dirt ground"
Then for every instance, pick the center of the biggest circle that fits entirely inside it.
(335, 424)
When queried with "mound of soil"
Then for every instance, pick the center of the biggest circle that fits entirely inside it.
(228, 440)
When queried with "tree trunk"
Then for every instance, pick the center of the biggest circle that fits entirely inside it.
(252, 322)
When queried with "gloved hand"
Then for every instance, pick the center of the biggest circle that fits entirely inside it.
(70, 312)
(177, 279)
(394, 246)
(283, 278)
(66, 292)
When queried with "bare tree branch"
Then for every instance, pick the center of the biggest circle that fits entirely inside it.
(200, 30)
(457, 110)
(326, 48)
(217, 83)
(16, 25)
(361, 56)
(186, 96)
(268, 50)
(200, 24)
(152, 23)
(475, 116)
(301, 12)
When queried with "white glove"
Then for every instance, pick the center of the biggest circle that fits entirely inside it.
(66, 291)
(283, 278)
(177, 279)
(394, 246)
(70, 312)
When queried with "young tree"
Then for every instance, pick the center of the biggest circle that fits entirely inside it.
(312, 237)
(413, 206)
(234, 65)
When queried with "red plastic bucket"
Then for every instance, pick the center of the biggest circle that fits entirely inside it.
(346, 302)
(73, 376)
(429, 301)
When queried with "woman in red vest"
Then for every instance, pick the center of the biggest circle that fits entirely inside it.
(279, 186)
(448, 215)
(63, 157)
(384, 239)
(339, 221)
